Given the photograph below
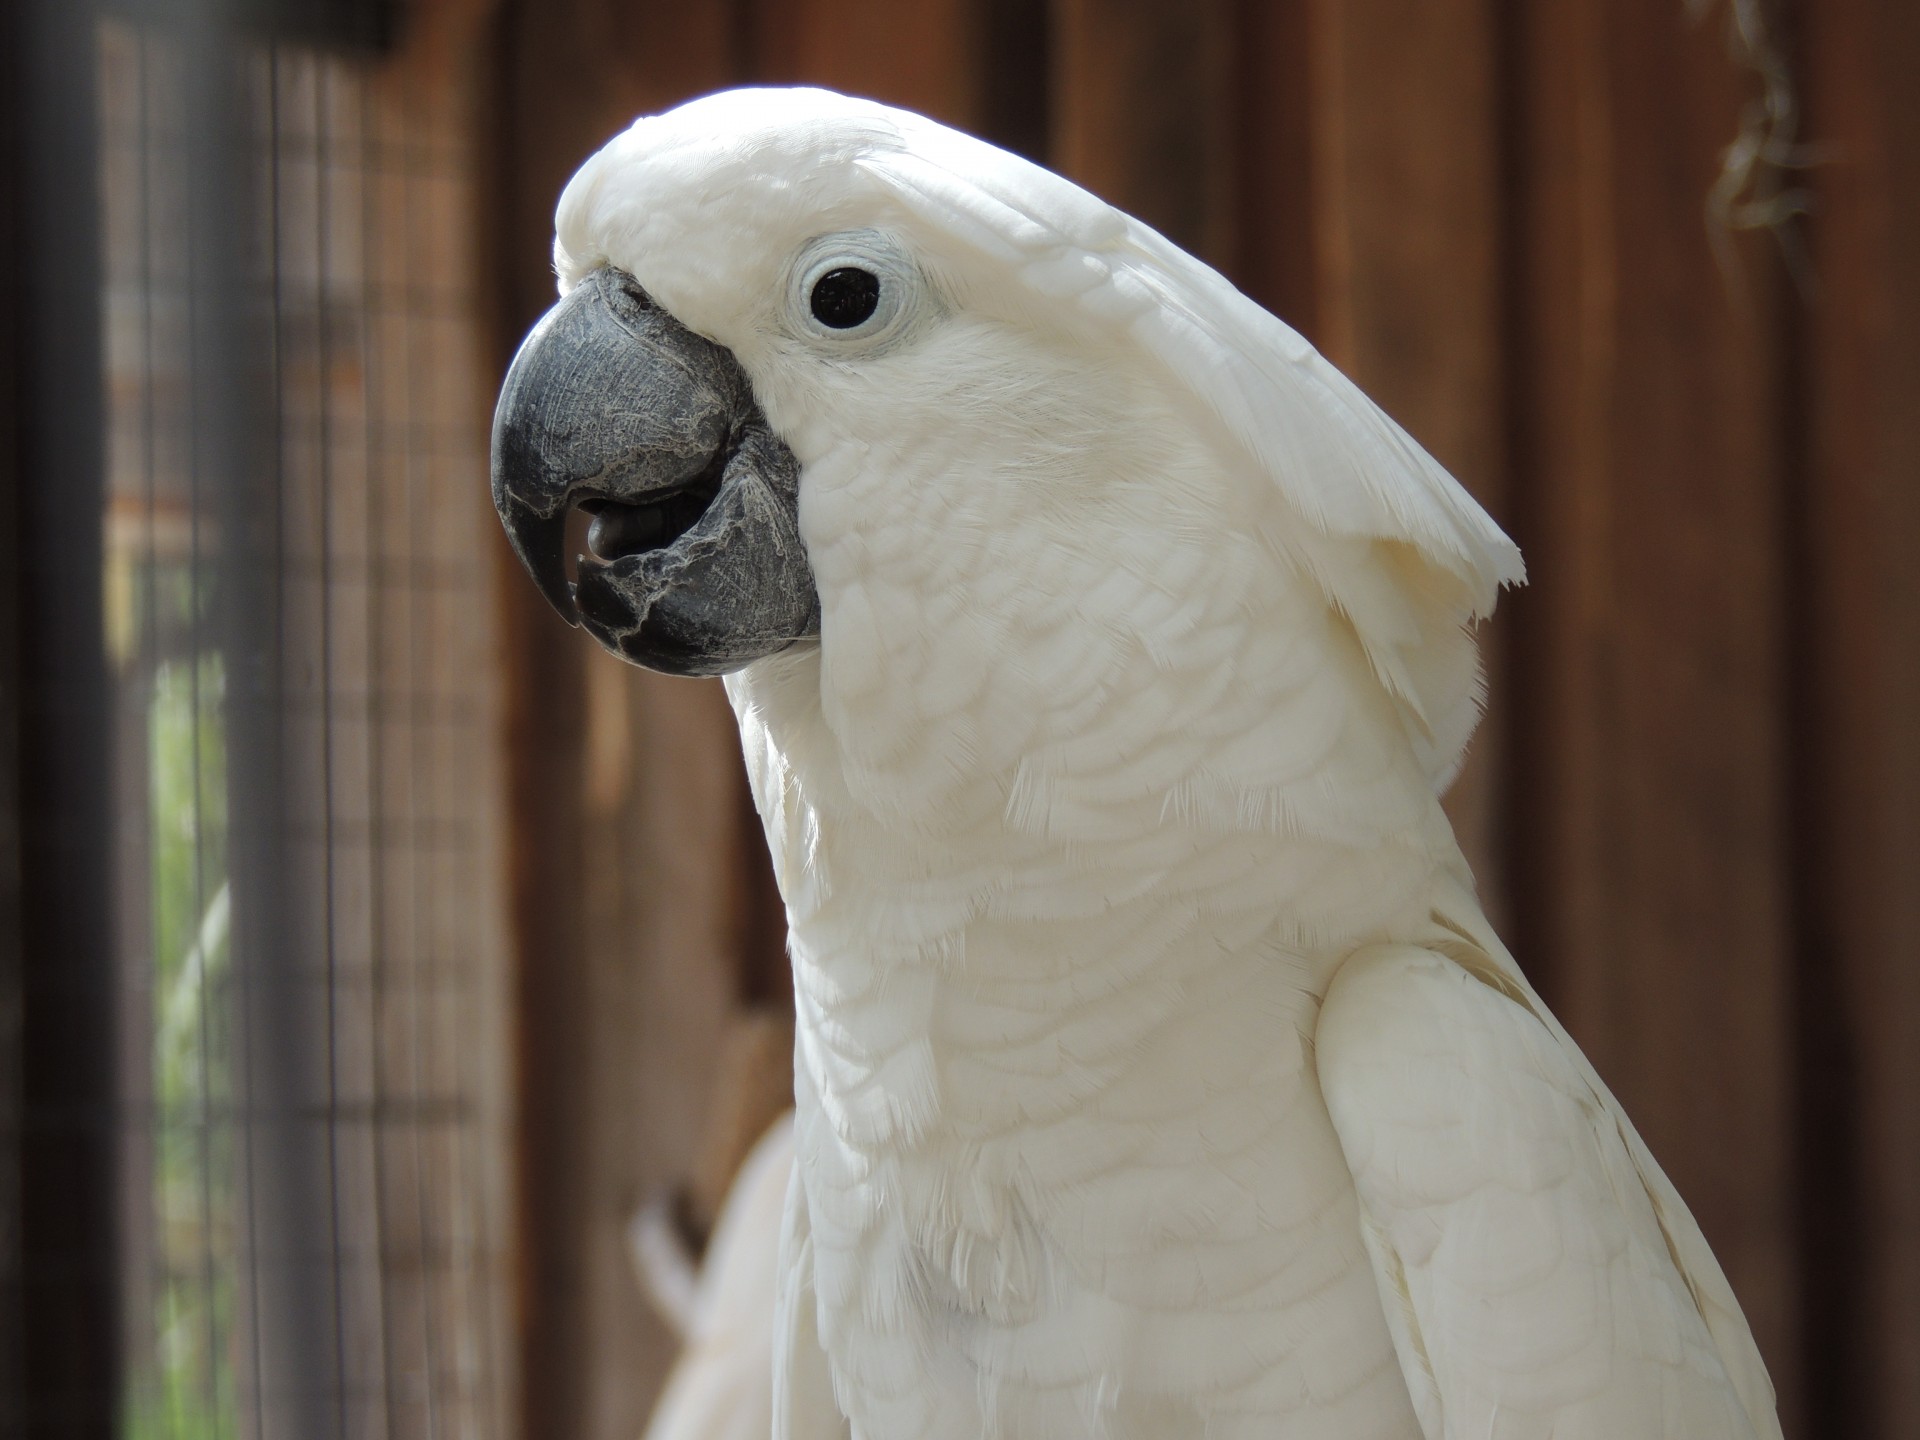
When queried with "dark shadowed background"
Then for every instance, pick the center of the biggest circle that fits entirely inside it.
(499, 953)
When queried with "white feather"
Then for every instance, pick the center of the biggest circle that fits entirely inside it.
(1532, 1282)
(721, 1386)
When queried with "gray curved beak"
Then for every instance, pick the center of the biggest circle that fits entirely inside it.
(695, 565)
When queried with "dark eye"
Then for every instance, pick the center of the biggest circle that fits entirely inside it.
(845, 297)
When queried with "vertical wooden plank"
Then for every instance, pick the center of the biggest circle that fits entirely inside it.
(1559, 368)
(622, 782)
(1016, 56)
(659, 893)
(1859, 685)
(979, 65)
(1651, 839)
(1143, 113)
(1407, 240)
(918, 56)
(1274, 256)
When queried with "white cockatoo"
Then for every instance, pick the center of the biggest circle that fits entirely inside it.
(1100, 654)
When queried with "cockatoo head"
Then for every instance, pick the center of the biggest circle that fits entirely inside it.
(828, 372)
(745, 294)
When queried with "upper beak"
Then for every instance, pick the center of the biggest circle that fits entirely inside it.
(614, 407)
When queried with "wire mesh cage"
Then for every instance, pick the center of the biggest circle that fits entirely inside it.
(299, 1119)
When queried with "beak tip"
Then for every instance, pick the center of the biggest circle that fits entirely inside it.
(540, 542)
(564, 597)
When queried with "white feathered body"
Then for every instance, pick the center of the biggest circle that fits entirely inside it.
(1061, 923)
(1143, 663)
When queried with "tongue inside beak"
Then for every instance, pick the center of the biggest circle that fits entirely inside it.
(620, 528)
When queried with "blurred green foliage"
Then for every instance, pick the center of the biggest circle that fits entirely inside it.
(184, 1389)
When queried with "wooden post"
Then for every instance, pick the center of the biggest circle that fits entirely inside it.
(623, 796)
(1855, 612)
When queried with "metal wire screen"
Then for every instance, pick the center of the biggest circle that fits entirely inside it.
(311, 1163)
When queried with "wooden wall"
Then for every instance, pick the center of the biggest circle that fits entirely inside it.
(1696, 802)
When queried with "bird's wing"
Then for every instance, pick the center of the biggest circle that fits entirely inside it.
(1466, 936)
(803, 1403)
(1534, 1281)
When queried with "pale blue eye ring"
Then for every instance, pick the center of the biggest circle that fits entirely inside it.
(854, 290)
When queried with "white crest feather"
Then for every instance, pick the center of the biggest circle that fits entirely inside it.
(1395, 542)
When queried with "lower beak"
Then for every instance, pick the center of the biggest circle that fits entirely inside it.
(695, 565)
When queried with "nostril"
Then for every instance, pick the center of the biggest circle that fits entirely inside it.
(626, 290)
